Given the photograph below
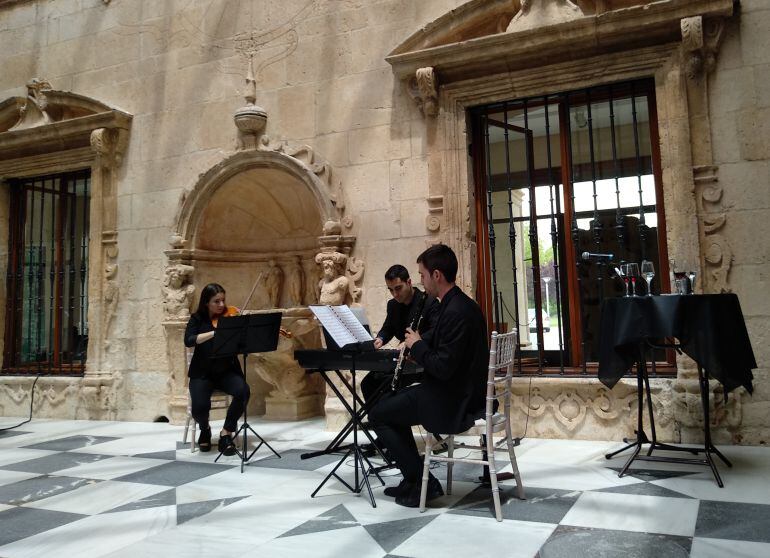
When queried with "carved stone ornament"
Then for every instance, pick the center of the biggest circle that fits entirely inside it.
(700, 42)
(334, 285)
(423, 88)
(250, 119)
(717, 252)
(541, 13)
(34, 111)
(178, 291)
(435, 211)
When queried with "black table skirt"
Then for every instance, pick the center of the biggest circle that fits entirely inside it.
(710, 330)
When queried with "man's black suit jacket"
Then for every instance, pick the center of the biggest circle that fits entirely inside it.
(455, 359)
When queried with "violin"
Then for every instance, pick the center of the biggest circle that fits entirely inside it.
(233, 311)
(229, 311)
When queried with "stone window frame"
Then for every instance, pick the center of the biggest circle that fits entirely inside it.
(487, 64)
(50, 132)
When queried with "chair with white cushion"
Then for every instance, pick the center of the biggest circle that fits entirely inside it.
(219, 400)
(501, 355)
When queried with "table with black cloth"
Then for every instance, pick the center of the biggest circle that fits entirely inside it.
(709, 329)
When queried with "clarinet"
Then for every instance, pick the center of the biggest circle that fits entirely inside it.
(414, 326)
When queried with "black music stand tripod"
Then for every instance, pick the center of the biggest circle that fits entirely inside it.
(240, 336)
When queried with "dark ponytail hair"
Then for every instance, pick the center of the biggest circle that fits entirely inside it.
(208, 292)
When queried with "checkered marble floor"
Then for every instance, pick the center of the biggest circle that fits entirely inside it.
(117, 489)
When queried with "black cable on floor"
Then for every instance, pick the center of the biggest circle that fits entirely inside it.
(31, 401)
(517, 441)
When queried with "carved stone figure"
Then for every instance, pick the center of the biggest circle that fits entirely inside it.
(273, 282)
(110, 294)
(178, 291)
(294, 282)
(279, 368)
(334, 285)
(312, 280)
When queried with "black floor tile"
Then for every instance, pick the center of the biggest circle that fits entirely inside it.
(543, 505)
(578, 542)
(733, 521)
(20, 523)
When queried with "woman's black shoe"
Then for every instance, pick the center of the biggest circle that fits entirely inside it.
(204, 440)
(226, 445)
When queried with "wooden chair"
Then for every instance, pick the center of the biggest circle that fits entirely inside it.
(501, 355)
(219, 400)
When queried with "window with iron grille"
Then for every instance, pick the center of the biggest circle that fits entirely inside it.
(46, 318)
(556, 176)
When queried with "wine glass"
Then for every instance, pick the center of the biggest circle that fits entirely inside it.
(633, 273)
(648, 272)
(624, 276)
(680, 278)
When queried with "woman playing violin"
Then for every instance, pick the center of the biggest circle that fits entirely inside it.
(207, 374)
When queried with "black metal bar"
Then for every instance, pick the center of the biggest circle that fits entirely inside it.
(596, 226)
(85, 236)
(534, 243)
(34, 270)
(619, 217)
(491, 227)
(52, 297)
(71, 206)
(576, 236)
(512, 235)
(555, 243)
(642, 224)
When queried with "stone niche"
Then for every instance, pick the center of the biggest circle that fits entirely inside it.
(488, 51)
(259, 223)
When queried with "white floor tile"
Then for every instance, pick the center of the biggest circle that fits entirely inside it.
(629, 512)
(739, 486)
(460, 535)
(9, 456)
(10, 477)
(94, 536)
(98, 497)
(571, 477)
(111, 468)
(326, 544)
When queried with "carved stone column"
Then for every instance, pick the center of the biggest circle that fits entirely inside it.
(701, 38)
(100, 381)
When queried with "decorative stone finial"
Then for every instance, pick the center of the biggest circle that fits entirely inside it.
(251, 119)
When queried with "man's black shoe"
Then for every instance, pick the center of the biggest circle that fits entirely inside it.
(411, 499)
(395, 491)
(204, 439)
(226, 445)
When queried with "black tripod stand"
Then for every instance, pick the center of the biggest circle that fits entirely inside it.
(241, 335)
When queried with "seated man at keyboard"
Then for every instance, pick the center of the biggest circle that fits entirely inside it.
(451, 395)
(401, 313)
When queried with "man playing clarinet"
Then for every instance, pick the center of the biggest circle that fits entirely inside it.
(451, 394)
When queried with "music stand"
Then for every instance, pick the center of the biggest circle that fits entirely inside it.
(242, 335)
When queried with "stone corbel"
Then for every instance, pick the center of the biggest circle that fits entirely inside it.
(700, 42)
(423, 88)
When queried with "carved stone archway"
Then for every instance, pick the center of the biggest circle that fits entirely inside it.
(48, 132)
(260, 218)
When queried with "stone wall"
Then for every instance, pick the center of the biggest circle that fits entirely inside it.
(322, 78)
(739, 91)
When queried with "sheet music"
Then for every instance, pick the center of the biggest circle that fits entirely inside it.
(341, 324)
